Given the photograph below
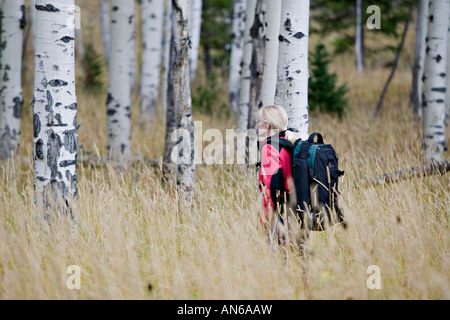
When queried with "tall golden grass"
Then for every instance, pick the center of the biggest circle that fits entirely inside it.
(133, 242)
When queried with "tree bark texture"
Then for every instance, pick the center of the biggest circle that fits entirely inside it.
(434, 81)
(269, 77)
(179, 141)
(152, 32)
(194, 30)
(54, 107)
(118, 99)
(132, 46)
(166, 55)
(245, 81)
(419, 58)
(447, 92)
(292, 84)
(258, 34)
(13, 24)
(237, 52)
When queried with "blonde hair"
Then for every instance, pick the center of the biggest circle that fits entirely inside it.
(277, 117)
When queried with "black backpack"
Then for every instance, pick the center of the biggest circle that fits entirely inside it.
(316, 173)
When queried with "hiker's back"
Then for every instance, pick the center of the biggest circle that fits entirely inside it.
(316, 177)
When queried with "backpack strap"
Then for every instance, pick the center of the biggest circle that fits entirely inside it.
(303, 149)
(319, 137)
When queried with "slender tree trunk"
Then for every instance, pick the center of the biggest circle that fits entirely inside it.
(76, 20)
(179, 146)
(152, 32)
(132, 46)
(358, 40)
(447, 92)
(397, 57)
(237, 52)
(419, 54)
(195, 28)
(79, 45)
(435, 81)
(269, 79)
(166, 56)
(54, 107)
(104, 18)
(244, 95)
(33, 19)
(118, 100)
(292, 85)
(258, 34)
(13, 23)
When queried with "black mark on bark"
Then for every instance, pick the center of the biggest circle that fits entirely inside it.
(299, 35)
(70, 140)
(17, 109)
(23, 20)
(287, 24)
(36, 125)
(53, 149)
(39, 149)
(47, 7)
(67, 163)
(283, 39)
(72, 106)
(67, 39)
(49, 105)
(57, 83)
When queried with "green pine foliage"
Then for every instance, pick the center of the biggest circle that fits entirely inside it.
(205, 99)
(339, 18)
(324, 94)
(92, 62)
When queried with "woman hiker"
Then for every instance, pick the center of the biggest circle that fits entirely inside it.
(278, 211)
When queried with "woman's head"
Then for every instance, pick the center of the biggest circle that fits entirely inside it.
(274, 119)
(275, 116)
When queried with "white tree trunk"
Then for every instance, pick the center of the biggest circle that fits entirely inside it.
(104, 19)
(435, 81)
(78, 32)
(195, 28)
(54, 106)
(269, 79)
(244, 95)
(118, 101)
(166, 55)
(33, 19)
(132, 46)
(258, 34)
(447, 92)
(293, 74)
(358, 38)
(237, 52)
(179, 143)
(10, 76)
(419, 58)
(152, 32)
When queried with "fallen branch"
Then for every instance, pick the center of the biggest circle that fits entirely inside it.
(431, 168)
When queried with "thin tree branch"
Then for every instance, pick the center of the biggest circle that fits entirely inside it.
(394, 67)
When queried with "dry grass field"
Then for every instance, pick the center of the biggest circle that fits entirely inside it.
(133, 242)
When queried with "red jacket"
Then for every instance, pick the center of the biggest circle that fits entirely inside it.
(275, 174)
